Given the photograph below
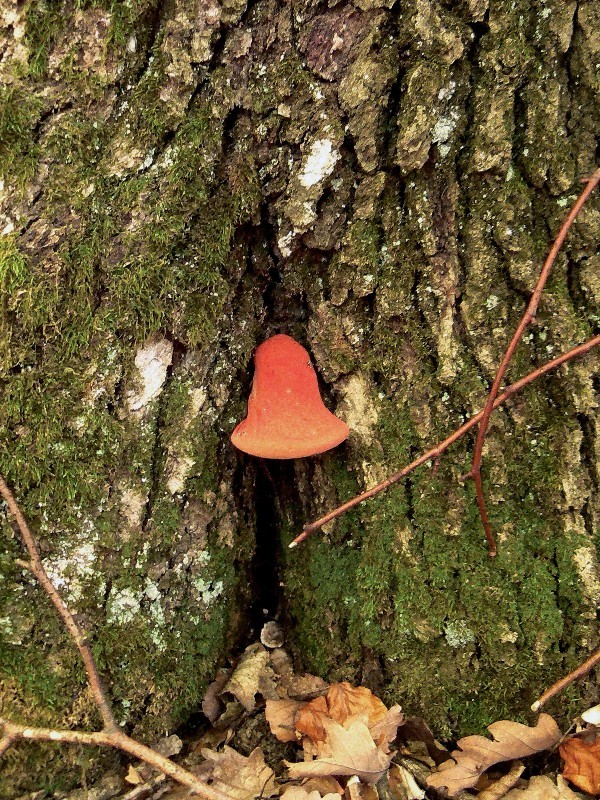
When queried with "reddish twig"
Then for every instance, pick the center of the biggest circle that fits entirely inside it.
(6, 742)
(557, 687)
(120, 741)
(527, 318)
(111, 735)
(436, 451)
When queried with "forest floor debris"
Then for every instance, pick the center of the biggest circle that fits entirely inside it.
(274, 733)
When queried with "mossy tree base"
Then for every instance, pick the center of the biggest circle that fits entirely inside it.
(179, 182)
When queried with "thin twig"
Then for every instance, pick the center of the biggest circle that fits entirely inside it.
(527, 318)
(111, 735)
(557, 687)
(37, 568)
(120, 741)
(6, 742)
(436, 451)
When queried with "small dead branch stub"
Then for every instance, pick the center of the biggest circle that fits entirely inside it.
(495, 398)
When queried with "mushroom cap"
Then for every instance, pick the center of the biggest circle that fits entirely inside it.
(286, 416)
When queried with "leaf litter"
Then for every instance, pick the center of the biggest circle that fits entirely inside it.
(275, 733)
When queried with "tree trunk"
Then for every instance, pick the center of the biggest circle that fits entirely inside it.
(380, 180)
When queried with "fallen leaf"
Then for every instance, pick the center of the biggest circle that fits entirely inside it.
(477, 753)
(310, 719)
(252, 676)
(582, 764)
(325, 784)
(403, 784)
(281, 716)
(211, 707)
(239, 776)
(416, 730)
(350, 750)
(133, 776)
(499, 788)
(541, 787)
(592, 715)
(300, 793)
(292, 686)
(384, 731)
(345, 700)
(357, 790)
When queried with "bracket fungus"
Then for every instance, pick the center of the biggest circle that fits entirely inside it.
(286, 416)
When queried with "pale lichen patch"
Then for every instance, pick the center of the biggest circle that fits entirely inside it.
(208, 591)
(588, 568)
(358, 408)
(320, 162)
(12, 41)
(152, 361)
(133, 506)
(458, 633)
(123, 606)
(70, 568)
(179, 460)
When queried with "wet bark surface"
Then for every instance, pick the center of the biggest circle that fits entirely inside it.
(381, 181)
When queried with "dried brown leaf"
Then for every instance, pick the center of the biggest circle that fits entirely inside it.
(239, 776)
(345, 700)
(211, 707)
(300, 793)
(325, 784)
(477, 753)
(302, 686)
(403, 784)
(252, 676)
(541, 787)
(499, 788)
(281, 716)
(582, 764)
(350, 750)
(384, 731)
(309, 720)
(133, 776)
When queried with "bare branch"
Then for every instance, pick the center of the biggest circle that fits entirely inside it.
(6, 742)
(528, 316)
(37, 568)
(557, 687)
(111, 735)
(120, 741)
(436, 451)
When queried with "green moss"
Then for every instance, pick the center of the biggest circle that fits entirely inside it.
(19, 113)
(44, 19)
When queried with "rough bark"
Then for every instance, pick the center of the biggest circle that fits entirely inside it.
(380, 180)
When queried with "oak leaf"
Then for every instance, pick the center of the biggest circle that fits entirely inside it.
(385, 729)
(300, 793)
(252, 676)
(292, 686)
(582, 764)
(348, 749)
(343, 701)
(281, 716)
(241, 777)
(477, 753)
(310, 717)
(541, 787)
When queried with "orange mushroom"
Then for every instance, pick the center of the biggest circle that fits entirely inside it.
(286, 416)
